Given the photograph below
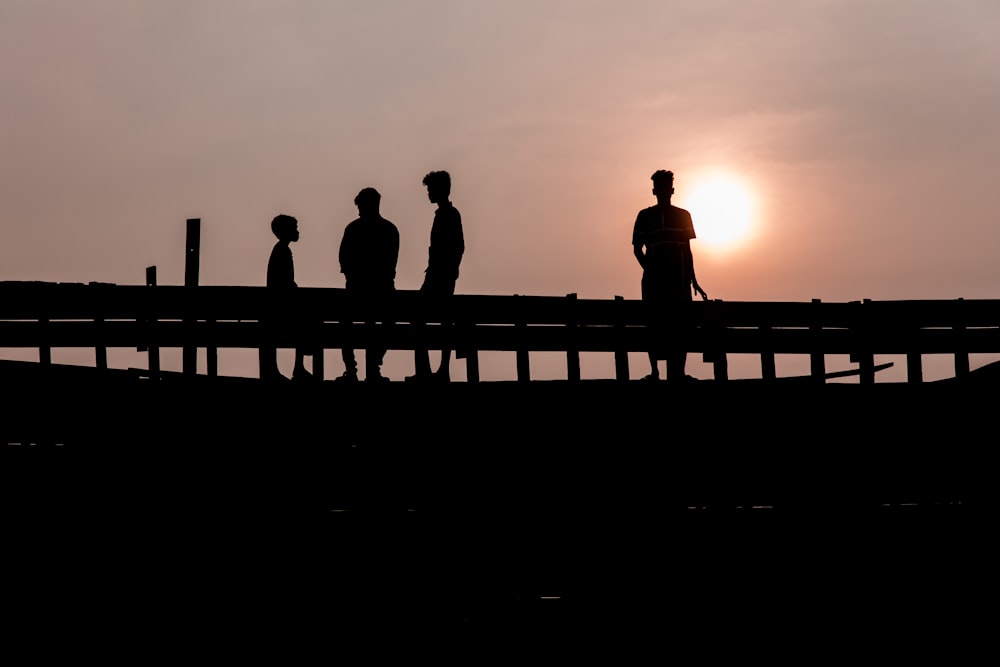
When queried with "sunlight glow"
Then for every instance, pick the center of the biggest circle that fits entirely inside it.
(722, 208)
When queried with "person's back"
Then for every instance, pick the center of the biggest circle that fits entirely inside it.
(661, 242)
(666, 231)
(368, 254)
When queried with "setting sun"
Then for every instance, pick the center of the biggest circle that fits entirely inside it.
(722, 209)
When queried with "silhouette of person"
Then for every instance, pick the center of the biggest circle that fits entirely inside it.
(281, 276)
(369, 250)
(661, 241)
(444, 255)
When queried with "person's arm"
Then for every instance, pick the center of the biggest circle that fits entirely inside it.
(694, 278)
(639, 255)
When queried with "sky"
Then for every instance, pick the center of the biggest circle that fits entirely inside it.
(859, 140)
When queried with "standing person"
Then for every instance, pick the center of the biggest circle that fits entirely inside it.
(368, 254)
(443, 259)
(281, 276)
(661, 241)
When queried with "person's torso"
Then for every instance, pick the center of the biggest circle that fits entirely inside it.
(447, 242)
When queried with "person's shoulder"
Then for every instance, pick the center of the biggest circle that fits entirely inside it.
(648, 212)
(680, 211)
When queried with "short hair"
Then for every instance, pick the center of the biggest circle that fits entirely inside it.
(440, 179)
(282, 224)
(367, 195)
(662, 175)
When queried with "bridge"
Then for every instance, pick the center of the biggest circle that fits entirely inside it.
(501, 498)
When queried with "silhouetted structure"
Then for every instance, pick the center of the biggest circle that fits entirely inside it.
(444, 256)
(281, 276)
(368, 254)
(661, 241)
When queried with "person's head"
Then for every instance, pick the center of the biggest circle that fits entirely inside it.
(438, 186)
(663, 183)
(367, 201)
(285, 227)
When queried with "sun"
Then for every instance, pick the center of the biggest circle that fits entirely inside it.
(722, 208)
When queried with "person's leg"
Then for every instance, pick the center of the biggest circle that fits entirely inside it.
(300, 372)
(654, 371)
(444, 371)
(268, 363)
(444, 367)
(350, 363)
(421, 357)
(676, 363)
(374, 357)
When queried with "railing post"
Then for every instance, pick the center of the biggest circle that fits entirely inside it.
(715, 353)
(865, 357)
(621, 353)
(100, 351)
(817, 361)
(44, 351)
(914, 368)
(191, 262)
(572, 348)
(211, 352)
(153, 350)
(465, 331)
(767, 369)
(962, 352)
(523, 366)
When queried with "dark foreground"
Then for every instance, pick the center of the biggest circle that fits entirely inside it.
(704, 520)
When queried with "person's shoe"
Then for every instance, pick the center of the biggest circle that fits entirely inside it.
(347, 377)
(301, 374)
(273, 377)
(441, 377)
(377, 378)
(651, 378)
(419, 377)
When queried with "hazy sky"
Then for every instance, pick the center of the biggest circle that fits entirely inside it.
(865, 132)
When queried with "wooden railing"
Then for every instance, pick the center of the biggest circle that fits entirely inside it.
(148, 317)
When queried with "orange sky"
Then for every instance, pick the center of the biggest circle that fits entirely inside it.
(866, 133)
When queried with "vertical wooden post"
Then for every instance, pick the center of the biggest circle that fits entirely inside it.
(465, 348)
(715, 353)
(211, 353)
(914, 368)
(866, 359)
(318, 366)
(44, 351)
(523, 364)
(961, 352)
(154, 351)
(572, 349)
(767, 369)
(621, 353)
(100, 351)
(817, 361)
(191, 264)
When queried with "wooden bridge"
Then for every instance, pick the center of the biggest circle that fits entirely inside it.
(497, 499)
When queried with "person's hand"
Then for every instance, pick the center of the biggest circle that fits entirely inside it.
(699, 290)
